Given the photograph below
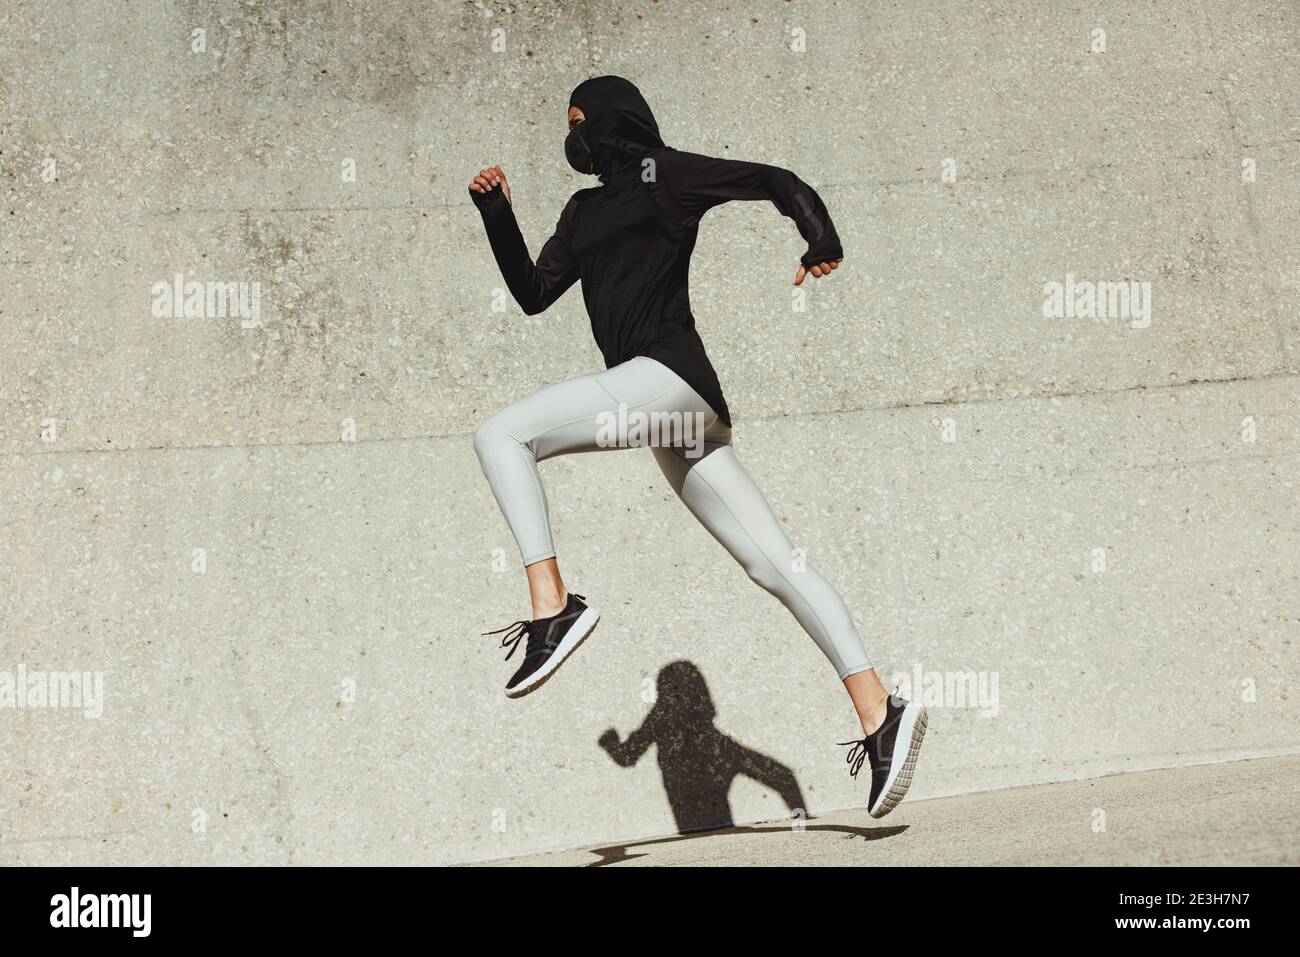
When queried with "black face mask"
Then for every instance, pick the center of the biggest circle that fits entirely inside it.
(576, 150)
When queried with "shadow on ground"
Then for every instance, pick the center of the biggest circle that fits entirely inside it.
(617, 853)
(699, 764)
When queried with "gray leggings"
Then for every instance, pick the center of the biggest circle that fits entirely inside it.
(642, 402)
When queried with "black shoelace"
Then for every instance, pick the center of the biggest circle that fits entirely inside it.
(857, 755)
(513, 633)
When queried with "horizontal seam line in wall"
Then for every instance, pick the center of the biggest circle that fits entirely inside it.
(1158, 466)
(930, 403)
(1065, 174)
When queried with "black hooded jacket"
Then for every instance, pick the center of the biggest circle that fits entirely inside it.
(630, 239)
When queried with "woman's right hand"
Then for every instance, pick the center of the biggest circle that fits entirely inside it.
(489, 178)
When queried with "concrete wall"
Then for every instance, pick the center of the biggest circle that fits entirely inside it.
(332, 565)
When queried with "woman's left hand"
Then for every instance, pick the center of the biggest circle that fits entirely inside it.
(821, 269)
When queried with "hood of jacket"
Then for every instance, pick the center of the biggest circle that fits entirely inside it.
(619, 127)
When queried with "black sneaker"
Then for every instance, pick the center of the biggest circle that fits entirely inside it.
(550, 641)
(892, 749)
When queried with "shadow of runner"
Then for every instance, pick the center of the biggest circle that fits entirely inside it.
(699, 764)
(617, 853)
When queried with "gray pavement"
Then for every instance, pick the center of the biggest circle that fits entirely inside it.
(1231, 813)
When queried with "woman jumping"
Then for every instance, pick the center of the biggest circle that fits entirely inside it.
(629, 241)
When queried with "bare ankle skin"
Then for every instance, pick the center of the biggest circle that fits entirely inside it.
(868, 696)
(546, 588)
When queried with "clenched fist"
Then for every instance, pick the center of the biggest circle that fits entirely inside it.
(488, 179)
(821, 269)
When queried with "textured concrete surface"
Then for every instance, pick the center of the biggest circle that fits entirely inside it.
(1097, 522)
(1230, 814)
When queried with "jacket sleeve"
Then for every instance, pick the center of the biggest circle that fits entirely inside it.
(534, 285)
(698, 183)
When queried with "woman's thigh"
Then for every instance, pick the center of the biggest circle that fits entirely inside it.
(637, 403)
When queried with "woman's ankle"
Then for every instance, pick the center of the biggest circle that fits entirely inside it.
(550, 606)
(869, 699)
(874, 716)
(546, 588)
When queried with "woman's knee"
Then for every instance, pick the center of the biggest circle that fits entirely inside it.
(763, 573)
(491, 433)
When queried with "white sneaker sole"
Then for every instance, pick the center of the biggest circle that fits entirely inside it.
(575, 636)
(911, 729)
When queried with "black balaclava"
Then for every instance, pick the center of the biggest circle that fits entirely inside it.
(618, 128)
